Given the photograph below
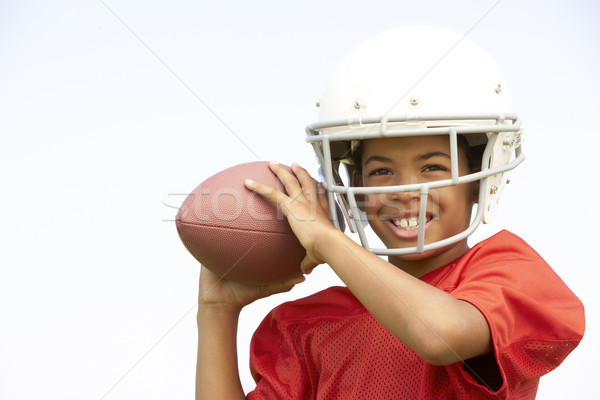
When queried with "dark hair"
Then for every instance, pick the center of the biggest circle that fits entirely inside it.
(474, 155)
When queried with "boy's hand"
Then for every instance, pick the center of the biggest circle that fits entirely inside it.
(305, 207)
(219, 292)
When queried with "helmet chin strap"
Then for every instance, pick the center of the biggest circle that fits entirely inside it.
(503, 146)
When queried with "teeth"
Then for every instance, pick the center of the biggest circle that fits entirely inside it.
(407, 223)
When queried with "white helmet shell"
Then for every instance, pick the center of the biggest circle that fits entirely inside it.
(415, 72)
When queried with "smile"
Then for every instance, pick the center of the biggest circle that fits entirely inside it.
(409, 223)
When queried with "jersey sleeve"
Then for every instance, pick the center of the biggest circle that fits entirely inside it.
(277, 361)
(535, 320)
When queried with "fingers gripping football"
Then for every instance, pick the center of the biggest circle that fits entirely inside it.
(305, 207)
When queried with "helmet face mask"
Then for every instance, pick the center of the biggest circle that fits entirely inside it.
(416, 81)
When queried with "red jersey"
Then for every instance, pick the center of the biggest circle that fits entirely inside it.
(328, 346)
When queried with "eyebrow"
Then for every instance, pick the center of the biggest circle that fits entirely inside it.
(420, 157)
(432, 154)
(377, 158)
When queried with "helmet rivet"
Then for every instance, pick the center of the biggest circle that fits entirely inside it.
(414, 101)
(318, 104)
(493, 189)
(498, 88)
(358, 104)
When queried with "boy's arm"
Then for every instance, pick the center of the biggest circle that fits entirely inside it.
(437, 326)
(219, 305)
(440, 328)
(217, 373)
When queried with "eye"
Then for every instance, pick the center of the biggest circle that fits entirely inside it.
(379, 172)
(434, 168)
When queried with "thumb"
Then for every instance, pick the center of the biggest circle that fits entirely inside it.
(268, 290)
(308, 264)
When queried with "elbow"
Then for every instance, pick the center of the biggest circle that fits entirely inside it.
(447, 345)
(432, 347)
(454, 340)
(440, 351)
(442, 360)
(440, 354)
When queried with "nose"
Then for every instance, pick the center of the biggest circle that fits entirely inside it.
(406, 196)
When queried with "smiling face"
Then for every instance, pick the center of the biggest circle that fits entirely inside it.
(394, 217)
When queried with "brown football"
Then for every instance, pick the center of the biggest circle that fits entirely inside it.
(236, 233)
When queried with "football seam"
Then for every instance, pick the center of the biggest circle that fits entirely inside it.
(230, 228)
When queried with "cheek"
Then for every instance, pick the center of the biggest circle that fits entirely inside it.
(366, 201)
(457, 197)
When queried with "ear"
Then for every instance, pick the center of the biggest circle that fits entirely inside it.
(356, 179)
(476, 186)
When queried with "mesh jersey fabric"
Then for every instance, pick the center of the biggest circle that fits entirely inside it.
(328, 346)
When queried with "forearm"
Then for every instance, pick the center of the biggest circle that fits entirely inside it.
(217, 375)
(438, 327)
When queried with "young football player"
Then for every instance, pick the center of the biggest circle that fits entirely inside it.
(420, 117)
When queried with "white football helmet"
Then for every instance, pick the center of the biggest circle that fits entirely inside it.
(416, 81)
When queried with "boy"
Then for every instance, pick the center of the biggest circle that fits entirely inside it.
(421, 119)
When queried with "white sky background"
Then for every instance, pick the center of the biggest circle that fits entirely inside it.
(103, 126)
